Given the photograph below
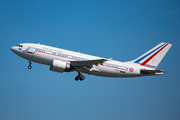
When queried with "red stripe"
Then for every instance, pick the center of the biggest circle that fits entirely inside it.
(149, 66)
(146, 61)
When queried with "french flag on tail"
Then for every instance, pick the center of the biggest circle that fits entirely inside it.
(154, 56)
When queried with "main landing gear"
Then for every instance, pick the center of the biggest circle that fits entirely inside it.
(79, 77)
(29, 67)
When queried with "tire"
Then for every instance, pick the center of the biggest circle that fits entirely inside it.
(29, 67)
(82, 78)
(77, 78)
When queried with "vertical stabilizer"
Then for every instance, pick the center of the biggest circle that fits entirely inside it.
(154, 56)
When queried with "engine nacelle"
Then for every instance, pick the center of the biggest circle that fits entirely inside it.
(60, 66)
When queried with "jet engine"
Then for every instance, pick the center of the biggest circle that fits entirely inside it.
(60, 66)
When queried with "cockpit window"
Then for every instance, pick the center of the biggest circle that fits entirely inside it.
(19, 45)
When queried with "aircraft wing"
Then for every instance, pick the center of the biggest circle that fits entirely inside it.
(152, 72)
(88, 63)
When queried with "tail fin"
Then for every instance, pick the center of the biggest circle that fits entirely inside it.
(154, 56)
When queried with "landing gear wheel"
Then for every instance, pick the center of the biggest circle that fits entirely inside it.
(77, 78)
(29, 67)
(82, 78)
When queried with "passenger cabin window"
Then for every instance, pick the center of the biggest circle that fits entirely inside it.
(19, 45)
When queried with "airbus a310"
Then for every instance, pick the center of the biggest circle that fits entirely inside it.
(61, 60)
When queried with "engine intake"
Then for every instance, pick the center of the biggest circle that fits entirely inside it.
(60, 66)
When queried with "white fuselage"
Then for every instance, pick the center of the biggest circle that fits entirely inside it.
(45, 55)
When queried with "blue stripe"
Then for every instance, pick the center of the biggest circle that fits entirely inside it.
(150, 65)
(137, 61)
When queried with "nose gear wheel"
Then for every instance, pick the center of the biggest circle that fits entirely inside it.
(29, 67)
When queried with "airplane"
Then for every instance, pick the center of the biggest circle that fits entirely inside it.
(61, 60)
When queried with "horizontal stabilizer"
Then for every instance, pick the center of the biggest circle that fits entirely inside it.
(152, 72)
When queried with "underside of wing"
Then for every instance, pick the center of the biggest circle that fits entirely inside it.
(152, 72)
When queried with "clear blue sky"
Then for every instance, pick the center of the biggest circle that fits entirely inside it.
(122, 30)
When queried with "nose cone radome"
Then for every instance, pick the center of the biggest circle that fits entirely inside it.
(13, 49)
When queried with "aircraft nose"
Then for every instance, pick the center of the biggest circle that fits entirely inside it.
(13, 49)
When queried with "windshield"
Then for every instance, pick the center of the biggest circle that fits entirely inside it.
(19, 45)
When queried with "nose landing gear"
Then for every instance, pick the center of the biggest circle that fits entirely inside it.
(79, 77)
(29, 67)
